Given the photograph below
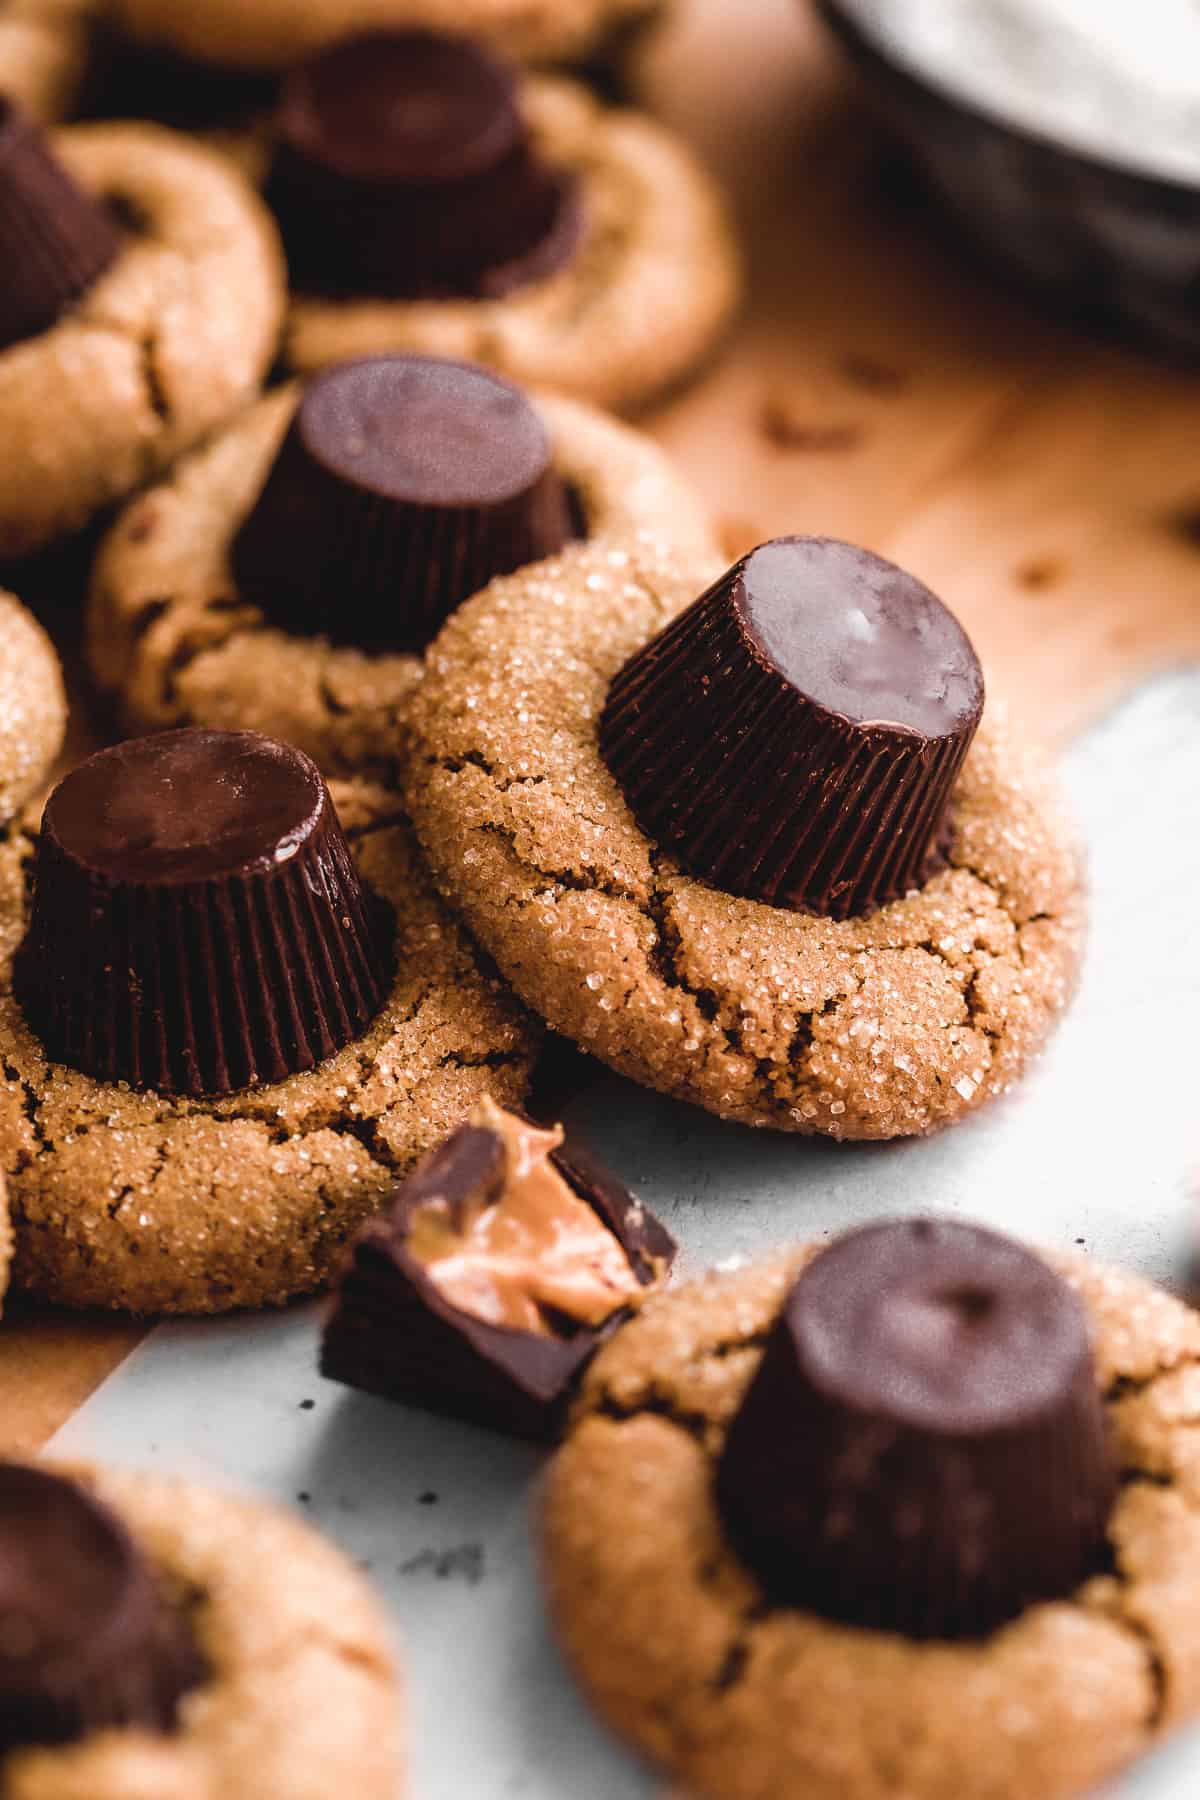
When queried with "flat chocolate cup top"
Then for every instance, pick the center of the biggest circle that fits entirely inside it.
(859, 636)
(923, 1447)
(424, 431)
(402, 107)
(187, 806)
(938, 1326)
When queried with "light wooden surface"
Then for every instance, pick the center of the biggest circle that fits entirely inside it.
(1047, 485)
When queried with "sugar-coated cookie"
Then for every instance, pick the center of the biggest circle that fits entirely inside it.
(684, 1650)
(104, 386)
(160, 1156)
(207, 1644)
(882, 1025)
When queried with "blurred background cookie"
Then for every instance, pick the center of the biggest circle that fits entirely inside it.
(286, 579)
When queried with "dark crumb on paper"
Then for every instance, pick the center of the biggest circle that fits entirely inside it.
(1041, 572)
(781, 427)
(462, 1563)
(1081, 1240)
(428, 1498)
(740, 536)
(307, 1405)
(872, 374)
(304, 1497)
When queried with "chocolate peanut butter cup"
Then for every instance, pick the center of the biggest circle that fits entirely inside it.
(404, 170)
(198, 924)
(87, 1639)
(404, 484)
(796, 734)
(494, 1274)
(923, 1448)
(55, 239)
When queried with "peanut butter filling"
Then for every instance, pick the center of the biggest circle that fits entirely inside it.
(537, 1249)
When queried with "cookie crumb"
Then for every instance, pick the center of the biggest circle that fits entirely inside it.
(1041, 572)
(428, 1498)
(464, 1562)
(872, 374)
(781, 427)
(307, 1405)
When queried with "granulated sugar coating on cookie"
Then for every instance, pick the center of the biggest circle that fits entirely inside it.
(888, 1025)
(33, 706)
(301, 1676)
(269, 34)
(155, 1203)
(172, 640)
(682, 1652)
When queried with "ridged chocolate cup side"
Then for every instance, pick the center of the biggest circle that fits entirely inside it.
(55, 239)
(923, 1448)
(762, 788)
(392, 1331)
(87, 1639)
(379, 553)
(404, 170)
(194, 978)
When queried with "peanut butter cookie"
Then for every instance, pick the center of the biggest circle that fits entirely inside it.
(220, 1058)
(174, 639)
(890, 1023)
(190, 1643)
(685, 1649)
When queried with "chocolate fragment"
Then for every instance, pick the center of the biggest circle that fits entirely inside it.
(87, 1640)
(404, 170)
(393, 1330)
(796, 734)
(55, 239)
(198, 923)
(404, 484)
(923, 1448)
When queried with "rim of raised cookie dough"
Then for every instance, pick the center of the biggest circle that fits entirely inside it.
(303, 1676)
(127, 1222)
(272, 33)
(33, 706)
(680, 1652)
(44, 48)
(647, 297)
(171, 649)
(172, 340)
(891, 1025)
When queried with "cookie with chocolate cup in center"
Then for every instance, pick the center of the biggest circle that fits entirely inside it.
(271, 35)
(911, 1513)
(492, 1276)
(150, 1646)
(752, 852)
(143, 308)
(430, 199)
(238, 1015)
(289, 575)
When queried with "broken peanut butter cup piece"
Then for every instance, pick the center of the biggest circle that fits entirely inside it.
(55, 239)
(796, 734)
(492, 1277)
(404, 484)
(198, 923)
(404, 170)
(923, 1448)
(87, 1639)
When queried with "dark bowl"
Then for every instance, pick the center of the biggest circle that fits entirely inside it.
(1106, 245)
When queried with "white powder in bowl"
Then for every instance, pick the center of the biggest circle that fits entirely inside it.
(1114, 79)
